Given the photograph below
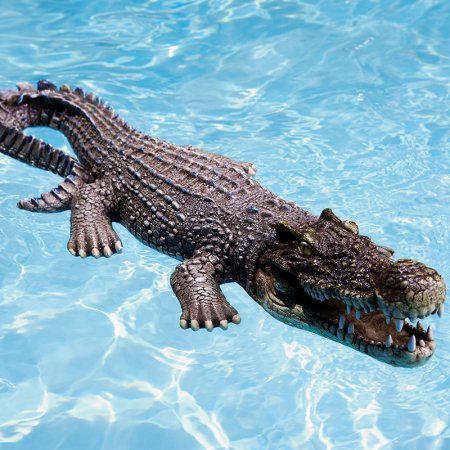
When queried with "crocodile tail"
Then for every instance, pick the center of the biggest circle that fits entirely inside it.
(42, 155)
(35, 152)
(50, 106)
(80, 116)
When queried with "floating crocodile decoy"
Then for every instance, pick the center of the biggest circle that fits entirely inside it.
(314, 273)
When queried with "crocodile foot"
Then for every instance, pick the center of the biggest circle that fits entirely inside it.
(94, 241)
(91, 229)
(196, 283)
(222, 320)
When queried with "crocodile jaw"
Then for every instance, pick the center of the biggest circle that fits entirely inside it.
(397, 343)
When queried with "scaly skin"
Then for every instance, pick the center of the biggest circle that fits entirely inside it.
(315, 273)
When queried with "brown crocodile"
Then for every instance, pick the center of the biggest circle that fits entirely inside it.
(313, 273)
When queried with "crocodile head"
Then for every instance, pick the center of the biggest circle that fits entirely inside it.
(326, 278)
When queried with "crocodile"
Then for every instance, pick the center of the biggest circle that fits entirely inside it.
(316, 273)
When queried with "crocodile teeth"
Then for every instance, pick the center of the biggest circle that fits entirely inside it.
(412, 344)
(419, 326)
(399, 324)
(389, 341)
(430, 333)
(421, 343)
(351, 328)
(349, 309)
(441, 310)
(341, 322)
(358, 314)
(388, 320)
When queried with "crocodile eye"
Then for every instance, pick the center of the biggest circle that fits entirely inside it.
(306, 249)
(351, 226)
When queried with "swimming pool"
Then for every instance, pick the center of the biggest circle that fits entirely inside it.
(339, 104)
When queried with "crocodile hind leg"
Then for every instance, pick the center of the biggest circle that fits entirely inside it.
(56, 200)
(91, 231)
(196, 283)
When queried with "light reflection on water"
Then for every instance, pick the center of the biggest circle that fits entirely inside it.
(341, 104)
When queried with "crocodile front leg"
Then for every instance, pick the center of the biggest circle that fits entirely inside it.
(91, 231)
(196, 283)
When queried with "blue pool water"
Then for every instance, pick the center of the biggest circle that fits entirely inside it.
(341, 104)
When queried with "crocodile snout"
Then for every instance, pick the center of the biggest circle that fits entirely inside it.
(408, 288)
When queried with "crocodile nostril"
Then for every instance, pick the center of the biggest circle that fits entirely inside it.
(408, 288)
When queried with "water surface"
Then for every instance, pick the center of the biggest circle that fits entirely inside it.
(339, 104)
